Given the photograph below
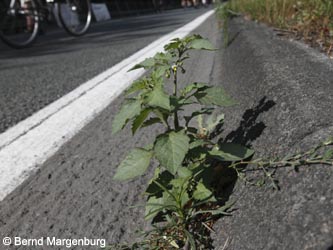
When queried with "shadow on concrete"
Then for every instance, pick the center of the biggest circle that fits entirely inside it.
(225, 178)
(249, 128)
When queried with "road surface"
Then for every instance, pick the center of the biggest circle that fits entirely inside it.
(57, 63)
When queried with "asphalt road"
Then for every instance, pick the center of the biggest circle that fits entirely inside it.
(57, 63)
(72, 195)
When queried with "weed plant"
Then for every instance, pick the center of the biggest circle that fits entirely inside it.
(183, 200)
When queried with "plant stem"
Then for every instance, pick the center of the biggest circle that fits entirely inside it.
(175, 118)
(292, 162)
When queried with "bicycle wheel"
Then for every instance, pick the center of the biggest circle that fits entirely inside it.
(75, 16)
(19, 22)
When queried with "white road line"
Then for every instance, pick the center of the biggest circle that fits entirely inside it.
(31, 142)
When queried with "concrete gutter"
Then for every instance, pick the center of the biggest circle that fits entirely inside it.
(285, 91)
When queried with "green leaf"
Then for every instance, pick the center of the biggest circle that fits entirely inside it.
(161, 70)
(202, 193)
(231, 152)
(135, 164)
(195, 166)
(174, 244)
(219, 211)
(163, 117)
(139, 120)
(198, 113)
(170, 150)
(174, 44)
(184, 199)
(147, 63)
(168, 202)
(197, 143)
(158, 98)
(177, 103)
(163, 178)
(179, 184)
(328, 154)
(198, 153)
(136, 86)
(184, 172)
(260, 182)
(163, 57)
(191, 240)
(328, 142)
(151, 121)
(149, 147)
(128, 111)
(202, 44)
(214, 96)
(155, 205)
(213, 121)
(179, 190)
(193, 86)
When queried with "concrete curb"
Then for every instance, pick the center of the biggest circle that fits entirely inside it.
(286, 89)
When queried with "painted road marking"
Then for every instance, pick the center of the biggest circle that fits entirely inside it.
(24, 147)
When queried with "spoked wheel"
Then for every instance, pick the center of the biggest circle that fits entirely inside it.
(75, 16)
(19, 22)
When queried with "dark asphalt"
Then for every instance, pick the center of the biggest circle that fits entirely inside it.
(57, 63)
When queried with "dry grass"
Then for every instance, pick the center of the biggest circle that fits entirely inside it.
(311, 20)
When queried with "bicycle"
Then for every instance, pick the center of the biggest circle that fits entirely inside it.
(20, 20)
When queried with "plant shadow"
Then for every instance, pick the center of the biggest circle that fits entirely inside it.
(249, 128)
(248, 131)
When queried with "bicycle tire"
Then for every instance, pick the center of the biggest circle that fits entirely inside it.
(80, 13)
(19, 26)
